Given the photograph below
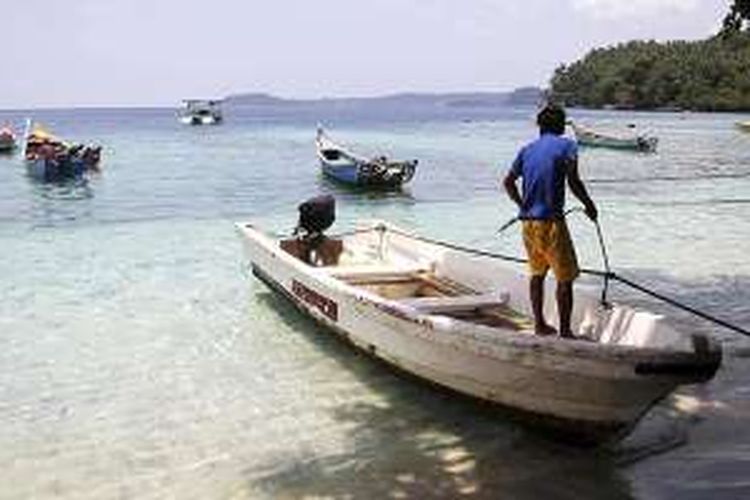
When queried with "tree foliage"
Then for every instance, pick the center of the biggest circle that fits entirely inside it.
(709, 75)
(738, 14)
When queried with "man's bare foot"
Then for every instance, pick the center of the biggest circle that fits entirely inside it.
(544, 330)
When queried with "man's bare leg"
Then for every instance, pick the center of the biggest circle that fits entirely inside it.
(536, 293)
(565, 306)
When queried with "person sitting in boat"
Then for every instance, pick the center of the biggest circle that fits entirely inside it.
(60, 151)
(92, 155)
(6, 132)
(76, 150)
(46, 150)
(31, 150)
(544, 165)
(33, 147)
(379, 165)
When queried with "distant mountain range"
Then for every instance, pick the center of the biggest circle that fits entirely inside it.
(525, 96)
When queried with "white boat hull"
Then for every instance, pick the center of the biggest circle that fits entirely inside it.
(587, 389)
(199, 120)
(586, 137)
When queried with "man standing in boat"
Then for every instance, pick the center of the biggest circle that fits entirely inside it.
(544, 165)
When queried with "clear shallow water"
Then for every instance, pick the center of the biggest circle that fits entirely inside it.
(138, 360)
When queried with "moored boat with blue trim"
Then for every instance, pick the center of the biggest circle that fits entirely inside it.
(349, 168)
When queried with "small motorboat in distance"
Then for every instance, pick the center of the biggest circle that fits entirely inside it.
(349, 168)
(462, 320)
(630, 141)
(201, 112)
(744, 126)
(7, 139)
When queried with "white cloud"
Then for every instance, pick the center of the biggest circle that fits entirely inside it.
(634, 8)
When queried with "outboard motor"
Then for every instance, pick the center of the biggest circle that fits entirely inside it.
(316, 215)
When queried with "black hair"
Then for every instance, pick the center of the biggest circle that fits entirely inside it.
(551, 119)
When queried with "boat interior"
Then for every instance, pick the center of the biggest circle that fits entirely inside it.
(418, 287)
(429, 279)
(331, 154)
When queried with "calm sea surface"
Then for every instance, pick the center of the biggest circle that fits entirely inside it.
(139, 360)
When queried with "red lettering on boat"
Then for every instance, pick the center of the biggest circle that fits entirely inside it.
(318, 301)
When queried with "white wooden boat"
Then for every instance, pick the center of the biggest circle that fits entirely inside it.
(7, 139)
(201, 112)
(631, 141)
(350, 168)
(463, 321)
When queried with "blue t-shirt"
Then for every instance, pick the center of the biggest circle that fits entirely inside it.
(541, 165)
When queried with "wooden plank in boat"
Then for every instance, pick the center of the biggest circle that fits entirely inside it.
(457, 303)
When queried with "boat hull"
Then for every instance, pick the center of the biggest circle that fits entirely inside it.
(589, 138)
(196, 120)
(7, 145)
(346, 174)
(624, 144)
(200, 120)
(572, 388)
(582, 432)
(362, 175)
(49, 171)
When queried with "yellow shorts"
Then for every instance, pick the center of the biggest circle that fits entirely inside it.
(548, 245)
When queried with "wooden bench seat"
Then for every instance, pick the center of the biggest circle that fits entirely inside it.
(456, 303)
(362, 273)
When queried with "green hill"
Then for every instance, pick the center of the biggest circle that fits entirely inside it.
(707, 75)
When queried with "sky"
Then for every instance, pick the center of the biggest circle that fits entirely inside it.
(66, 53)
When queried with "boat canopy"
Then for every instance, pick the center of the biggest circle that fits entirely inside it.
(39, 133)
(201, 103)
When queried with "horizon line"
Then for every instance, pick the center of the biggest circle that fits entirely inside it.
(178, 101)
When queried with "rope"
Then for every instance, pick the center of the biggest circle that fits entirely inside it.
(607, 275)
(679, 305)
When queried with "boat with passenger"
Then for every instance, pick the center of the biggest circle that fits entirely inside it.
(347, 167)
(461, 319)
(7, 139)
(630, 140)
(49, 158)
(201, 112)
